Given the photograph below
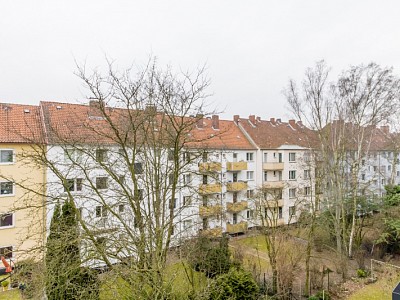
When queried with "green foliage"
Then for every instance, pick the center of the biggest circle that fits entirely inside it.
(212, 258)
(5, 283)
(361, 273)
(392, 197)
(65, 278)
(236, 284)
(391, 235)
(29, 274)
(320, 296)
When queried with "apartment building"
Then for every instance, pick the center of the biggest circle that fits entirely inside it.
(22, 208)
(285, 171)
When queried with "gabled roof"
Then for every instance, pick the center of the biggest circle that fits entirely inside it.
(20, 123)
(76, 123)
(274, 134)
(227, 136)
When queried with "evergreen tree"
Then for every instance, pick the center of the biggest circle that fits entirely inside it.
(65, 278)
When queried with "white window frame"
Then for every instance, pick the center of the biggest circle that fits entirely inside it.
(107, 183)
(292, 193)
(292, 156)
(307, 190)
(13, 189)
(12, 155)
(292, 177)
(250, 175)
(103, 212)
(249, 156)
(307, 174)
(75, 185)
(12, 218)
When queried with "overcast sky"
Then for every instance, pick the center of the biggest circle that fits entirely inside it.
(251, 48)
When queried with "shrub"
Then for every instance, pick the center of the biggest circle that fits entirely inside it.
(320, 296)
(5, 283)
(236, 284)
(361, 273)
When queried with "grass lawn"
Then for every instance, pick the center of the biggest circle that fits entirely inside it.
(380, 290)
(10, 295)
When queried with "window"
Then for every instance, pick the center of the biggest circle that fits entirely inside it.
(307, 156)
(187, 224)
(307, 174)
(171, 179)
(292, 175)
(101, 212)
(292, 157)
(139, 194)
(6, 252)
(138, 168)
(265, 175)
(101, 183)
(363, 176)
(292, 193)
(73, 185)
(234, 156)
(383, 181)
(101, 155)
(187, 179)
(6, 156)
(6, 220)
(250, 194)
(249, 156)
(307, 190)
(234, 218)
(398, 173)
(292, 211)
(280, 212)
(186, 200)
(186, 156)
(205, 200)
(121, 208)
(205, 223)
(121, 179)
(6, 188)
(205, 179)
(174, 202)
(250, 175)
(389, 168)
(265, 157)
(170, 154)
(234, 197)
(375, 168)
(363, 162)
(250, 214)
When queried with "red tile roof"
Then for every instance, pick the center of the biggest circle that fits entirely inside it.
(20, 123)
(273, 134)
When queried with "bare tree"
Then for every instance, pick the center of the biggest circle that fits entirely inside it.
(344, 115)
(120, 161)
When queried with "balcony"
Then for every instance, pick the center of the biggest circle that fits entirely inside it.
(208, 211)
(273, 184)
(236, 166)
(215, 232)
(236, 207)
(210, 188)
(210, 167)
(236, 228)
(272, 166)
(236, 186)
(273, 203)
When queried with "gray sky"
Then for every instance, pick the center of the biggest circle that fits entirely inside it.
(251, 48)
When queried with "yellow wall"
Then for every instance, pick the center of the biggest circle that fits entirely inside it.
(26, 236)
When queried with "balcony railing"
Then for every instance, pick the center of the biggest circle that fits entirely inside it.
(272, 166)
(273, 203)
(236, 166)
(210, 188)
(208, 211)
(214, 232)
(236, 228)
(273, 184)
(236, 207)
(210, 167)
(236, 186)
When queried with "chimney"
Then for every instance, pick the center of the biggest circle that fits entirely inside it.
(300, 123)
(199, 120)
(252, 119)
(150, 110)
(258, 119)
(272, 120)
(292, 123)
(94, 104)
(278, 120)
(385, 129)
(95, 109)
(236, 118)
(215, 121)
